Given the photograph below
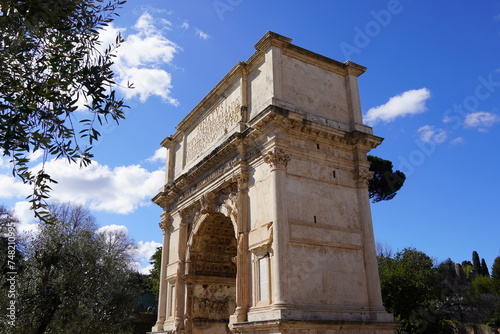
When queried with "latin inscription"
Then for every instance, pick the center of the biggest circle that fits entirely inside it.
(215, 125)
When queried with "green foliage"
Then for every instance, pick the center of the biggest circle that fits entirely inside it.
(385, 182)
(49, 63)
(446, 271)
(155, 260)
(495, 270)
(406, 275)
(428, 298)
(409, 285)
(74, 279)
(482, 285)
(476, 263)
(468, 269)
(484, 269)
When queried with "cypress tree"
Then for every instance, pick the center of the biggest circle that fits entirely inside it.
(484, 269)
(476, 263)
(495, 270)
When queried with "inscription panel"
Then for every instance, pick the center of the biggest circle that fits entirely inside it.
(215, 124)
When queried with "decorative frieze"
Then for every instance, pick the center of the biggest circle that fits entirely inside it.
(216, 124)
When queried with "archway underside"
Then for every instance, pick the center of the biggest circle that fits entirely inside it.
(212, 275)
(214, 249)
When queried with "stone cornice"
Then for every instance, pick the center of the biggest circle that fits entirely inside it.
(167, 142)
(238, 70)
(285, 43)
(363, 140)
(272, 38)
(298, 122)
(227, 154)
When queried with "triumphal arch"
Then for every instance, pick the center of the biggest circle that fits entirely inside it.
(267, 225)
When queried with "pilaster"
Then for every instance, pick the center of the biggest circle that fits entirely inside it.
(243, 273)
(165, 226)
(181, 271)
(278, 159)
(362, 176)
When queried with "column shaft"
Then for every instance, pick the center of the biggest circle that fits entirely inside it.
(179, 282)
(162, 300)
(243, 259)
(278, 161)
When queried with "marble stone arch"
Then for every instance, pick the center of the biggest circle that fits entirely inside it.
(212, 243)
(211, 269)
(214, 206)
(276, 154)
(223, 201)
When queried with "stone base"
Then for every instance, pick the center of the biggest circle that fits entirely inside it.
(314, 327)
(300, 327)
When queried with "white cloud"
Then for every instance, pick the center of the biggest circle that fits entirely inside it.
(146, 24)
(113, 229)
(143, 270)
(201, 34)
(12, 188)
(32, 156)
(429, 133)
(458, 140)
(481, 120)
(160, 155)
(108, 36)
(26, 217)
(185, 25)
(120, 190)
(411, 102)
(148, 82)
(143, 253)
(145, 50)
(139, 60)
(146, 249)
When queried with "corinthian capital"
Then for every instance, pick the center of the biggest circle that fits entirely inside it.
(241, 179)
(166, 222)
(277, 159)
(363, 176)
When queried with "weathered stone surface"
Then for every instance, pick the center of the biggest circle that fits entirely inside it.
(267, 224)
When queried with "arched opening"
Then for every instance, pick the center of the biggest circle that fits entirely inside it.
(212, 275)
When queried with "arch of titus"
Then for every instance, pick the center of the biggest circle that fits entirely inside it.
(266, 224)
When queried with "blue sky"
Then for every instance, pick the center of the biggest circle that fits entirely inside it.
(432, 90)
